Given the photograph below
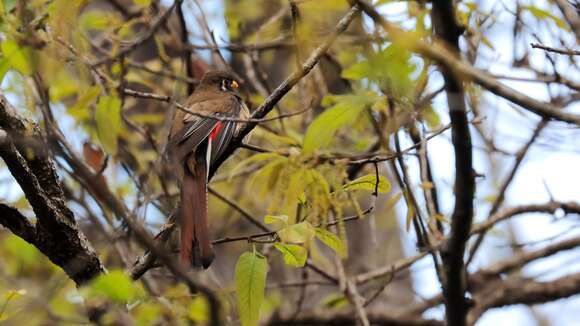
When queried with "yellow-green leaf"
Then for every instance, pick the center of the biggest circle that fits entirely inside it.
(108, 117)
(431, 117)
(393, 200)
(261, 157)
(198, 309)
(251, 270)
(143, 3)
(410, 212)
(345, 112)
(368, 182)
(294, 255)
(116, 286)
(391, 68)
(335, 300)
(281, 220)
(80, 110)
(297, 233)
(331, 240)
(97, 20)
(16, 57)
(542, 14)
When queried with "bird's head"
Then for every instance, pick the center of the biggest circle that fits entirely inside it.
(220, 80)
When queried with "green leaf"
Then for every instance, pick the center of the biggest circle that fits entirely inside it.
(6, 298)
(144, 3)
(251, 271)
(80, 110)
(297, 233)
(368, 182)
(108, 117)
(261, 157)
(116, 286)
(542, 14)
(335, 300)
(331, 240)
(198, 310)
(294, 255)
(345, 112)
(96, 20)
(62, 86)
(16, 57)
(8, 5)
(391, 68)
(410, 211)
(147, 313)
(281, 220)
(431, 117)
(393, 200)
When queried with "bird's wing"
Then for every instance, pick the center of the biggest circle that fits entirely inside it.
(226, 132)
(190, 130)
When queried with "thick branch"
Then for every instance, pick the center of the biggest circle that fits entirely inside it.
(339, 320)
(523, 291)
(11, 219)
(454, 287)
(56, 233)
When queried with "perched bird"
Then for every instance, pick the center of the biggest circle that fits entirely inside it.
(194, 144)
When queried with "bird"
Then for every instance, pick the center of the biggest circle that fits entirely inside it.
(194, 144)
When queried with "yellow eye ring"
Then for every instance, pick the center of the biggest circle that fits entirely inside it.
(235, 84)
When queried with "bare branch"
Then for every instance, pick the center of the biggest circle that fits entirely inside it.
(554, 50)
(56, 234)
(523, 291)
(454, 285)
(445, 57)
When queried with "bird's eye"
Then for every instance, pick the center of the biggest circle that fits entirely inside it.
(229, 84)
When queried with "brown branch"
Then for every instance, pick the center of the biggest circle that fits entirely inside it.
(524, 258)
(239, 209)
(445, 57)
(454, 287)
(168, 99)
(523, 291)
(350, 319)
(56, 233)
(479, 280)
(554, 50)
(11, 219)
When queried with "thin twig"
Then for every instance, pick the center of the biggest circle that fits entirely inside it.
(157, 23)
(554, 50)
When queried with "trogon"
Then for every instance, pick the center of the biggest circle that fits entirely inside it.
(195, 142)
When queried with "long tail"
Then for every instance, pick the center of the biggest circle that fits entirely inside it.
(196, 246)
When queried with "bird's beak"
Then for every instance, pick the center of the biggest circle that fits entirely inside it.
(235, 84)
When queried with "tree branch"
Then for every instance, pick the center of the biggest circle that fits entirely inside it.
(523, 291)
(11, 219)
(455, 285)
(56, 234)
(442, 55)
